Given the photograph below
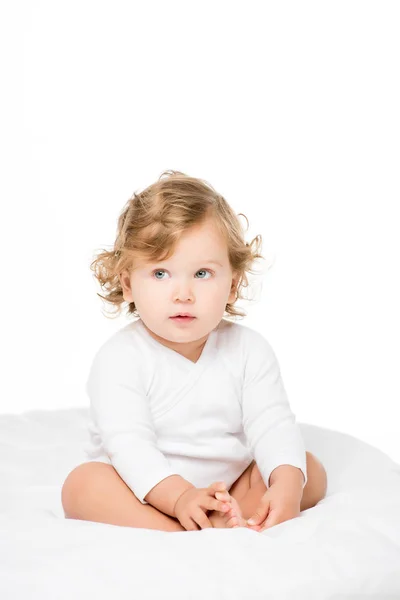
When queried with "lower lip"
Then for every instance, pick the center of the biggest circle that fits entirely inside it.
(183, 319)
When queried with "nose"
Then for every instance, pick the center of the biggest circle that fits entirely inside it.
(183, 291)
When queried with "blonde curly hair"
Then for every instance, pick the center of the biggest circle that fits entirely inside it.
(150, 226)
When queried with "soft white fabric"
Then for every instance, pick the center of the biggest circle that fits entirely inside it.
(348, 546)
(155, 413)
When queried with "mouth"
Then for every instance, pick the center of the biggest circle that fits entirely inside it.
(183, 318)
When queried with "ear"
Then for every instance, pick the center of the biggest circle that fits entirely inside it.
(232, 294)
(125, 282)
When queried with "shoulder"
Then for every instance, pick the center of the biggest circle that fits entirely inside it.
(118, 364)
(121, 348)
(242, 345)
(254, 353)
(248, 339)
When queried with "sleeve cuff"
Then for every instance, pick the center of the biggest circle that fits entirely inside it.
(143, 487)
(269, 470)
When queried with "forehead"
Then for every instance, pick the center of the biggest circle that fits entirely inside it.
(201, 237)
(201, 243)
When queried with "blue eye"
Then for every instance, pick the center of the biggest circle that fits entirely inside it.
(158, 271)
(204, 271)
(199, 271)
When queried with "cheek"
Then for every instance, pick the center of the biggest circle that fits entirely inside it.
(216, 292)
(143, 292)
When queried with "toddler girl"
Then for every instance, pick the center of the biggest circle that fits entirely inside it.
(189, 417)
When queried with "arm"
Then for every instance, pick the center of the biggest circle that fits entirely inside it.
(120, 409)
(290, 476)
(268, 422)
(166, 493)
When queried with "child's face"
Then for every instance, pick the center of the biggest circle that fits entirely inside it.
(186, 282)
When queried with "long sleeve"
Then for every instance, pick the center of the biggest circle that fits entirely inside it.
(119, 409)
(268, 422)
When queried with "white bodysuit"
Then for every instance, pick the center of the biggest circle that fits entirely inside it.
(155, 413)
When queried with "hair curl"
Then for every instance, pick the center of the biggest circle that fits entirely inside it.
(150, 226)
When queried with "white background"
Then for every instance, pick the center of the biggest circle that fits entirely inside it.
(289, 109)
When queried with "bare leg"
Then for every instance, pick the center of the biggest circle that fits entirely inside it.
(95, 492)
(314, 491)
(249, 488)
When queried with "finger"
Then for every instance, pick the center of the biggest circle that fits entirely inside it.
(190, 525)
(201, 519)
(255, 527)
(213, 504)
(224, 496)
(272, 520)
(217, 486)
(259, 515)
(257, 518)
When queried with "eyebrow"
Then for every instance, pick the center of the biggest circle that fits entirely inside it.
(213, 262)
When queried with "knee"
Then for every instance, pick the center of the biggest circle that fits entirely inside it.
(316, 474)
(76, 485)
(69, 491)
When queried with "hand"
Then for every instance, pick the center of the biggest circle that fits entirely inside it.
(191, 506)
(279, 503)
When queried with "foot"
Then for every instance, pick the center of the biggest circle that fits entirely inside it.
(232, 515)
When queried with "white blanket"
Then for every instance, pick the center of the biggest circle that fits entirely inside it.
(348, 546)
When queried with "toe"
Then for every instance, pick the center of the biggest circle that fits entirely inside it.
(232, 521)
(231, 514)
